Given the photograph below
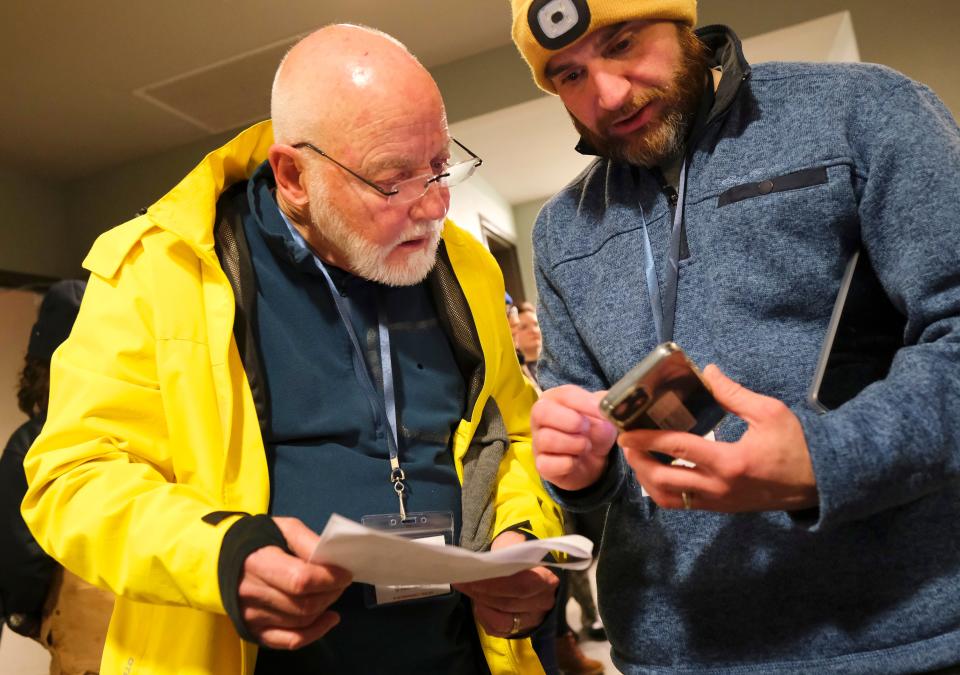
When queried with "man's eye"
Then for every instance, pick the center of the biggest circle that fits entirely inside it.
(620, 46)
(439, 166)
(570, 77)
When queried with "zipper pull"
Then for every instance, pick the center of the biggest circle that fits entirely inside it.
(397, 477)
(672, 196)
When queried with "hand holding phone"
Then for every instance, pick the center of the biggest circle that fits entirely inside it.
(664, 391)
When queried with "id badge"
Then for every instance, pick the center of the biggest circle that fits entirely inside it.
(430, 528)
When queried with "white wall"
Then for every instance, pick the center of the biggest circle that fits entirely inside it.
(22, 656)
(827, 39)
(475, 198)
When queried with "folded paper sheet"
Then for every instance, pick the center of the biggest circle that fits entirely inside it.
(376, 557)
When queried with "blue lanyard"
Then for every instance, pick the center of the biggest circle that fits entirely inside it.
(386, 407)
(665, 311)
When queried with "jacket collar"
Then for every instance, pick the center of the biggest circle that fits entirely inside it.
(189, 209)
(727, 53)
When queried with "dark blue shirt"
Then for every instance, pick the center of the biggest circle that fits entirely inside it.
(327, 446)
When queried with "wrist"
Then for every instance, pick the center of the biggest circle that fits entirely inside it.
(246, 535)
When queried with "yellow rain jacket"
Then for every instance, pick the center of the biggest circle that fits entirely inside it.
(152, 425)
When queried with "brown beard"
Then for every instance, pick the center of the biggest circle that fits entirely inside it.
(663, 136)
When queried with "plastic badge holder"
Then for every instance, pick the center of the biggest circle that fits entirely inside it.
(431, 528)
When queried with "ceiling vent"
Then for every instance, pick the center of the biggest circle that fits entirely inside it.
(224, 95)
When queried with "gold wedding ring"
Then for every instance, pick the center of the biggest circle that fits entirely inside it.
(516, 625)
(687, 500)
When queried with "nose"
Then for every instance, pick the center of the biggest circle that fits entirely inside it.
(433, 205)
(612, 90)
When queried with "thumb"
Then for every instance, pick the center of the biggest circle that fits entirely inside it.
(733, 396)
(300, 538)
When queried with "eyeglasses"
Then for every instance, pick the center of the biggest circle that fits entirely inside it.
(412, 189)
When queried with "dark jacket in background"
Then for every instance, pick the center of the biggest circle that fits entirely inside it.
(25, 570)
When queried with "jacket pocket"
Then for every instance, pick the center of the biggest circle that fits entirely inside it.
(790, 181)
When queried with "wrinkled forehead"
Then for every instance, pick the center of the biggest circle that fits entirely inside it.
(395, 138)
(387, 121)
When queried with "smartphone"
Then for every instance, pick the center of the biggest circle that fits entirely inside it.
(864, 334)
(664, 391)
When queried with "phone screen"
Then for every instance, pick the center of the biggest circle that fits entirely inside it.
(865, 332)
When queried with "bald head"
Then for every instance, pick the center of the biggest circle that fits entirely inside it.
(341, 77)
(358, 98)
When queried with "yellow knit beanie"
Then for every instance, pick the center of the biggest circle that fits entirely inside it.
(541, 28)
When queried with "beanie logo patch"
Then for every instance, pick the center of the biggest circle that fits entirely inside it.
(557, 23)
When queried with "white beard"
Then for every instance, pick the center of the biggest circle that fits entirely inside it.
(366, 259)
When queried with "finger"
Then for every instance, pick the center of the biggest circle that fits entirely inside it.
(286, 638)
(553, 442)
(603, 430)
(255, 594)
(547, 414)
(522, 585)
(653, 472)
(258, 618)
(501, 624)
(300, 538)
(665, 484)
(731, 395)
(575, 399)
(540, 603)
(293, 576)
(567, 472)
(677, 444)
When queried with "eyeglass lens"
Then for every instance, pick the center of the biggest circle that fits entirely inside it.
(414, 188)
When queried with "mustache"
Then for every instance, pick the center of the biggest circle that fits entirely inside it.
(426, 228)
(630, 108)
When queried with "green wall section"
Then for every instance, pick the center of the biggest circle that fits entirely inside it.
(484, 83)
(105, 199)
(524, 216)
(34, 232)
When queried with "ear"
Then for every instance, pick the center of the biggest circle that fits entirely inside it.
(285, 162)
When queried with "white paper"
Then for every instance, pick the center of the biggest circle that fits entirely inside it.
(398, 593)
(377, 557)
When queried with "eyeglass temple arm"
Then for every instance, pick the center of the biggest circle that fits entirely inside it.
(385, 193)
(470, 152)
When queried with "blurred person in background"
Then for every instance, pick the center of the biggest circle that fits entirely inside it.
(38, 597)
(562, 640)
(527, 338)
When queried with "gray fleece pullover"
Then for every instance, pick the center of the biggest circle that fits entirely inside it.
(858, 156)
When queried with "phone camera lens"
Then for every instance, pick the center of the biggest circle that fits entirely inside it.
(632, 406)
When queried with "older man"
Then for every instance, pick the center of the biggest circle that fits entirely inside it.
(294, 331)
(721, 213)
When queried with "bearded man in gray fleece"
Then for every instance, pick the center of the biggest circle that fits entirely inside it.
(721, 212)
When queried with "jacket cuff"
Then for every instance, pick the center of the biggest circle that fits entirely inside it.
(524, 528)
(600, 493)
(246, 535)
